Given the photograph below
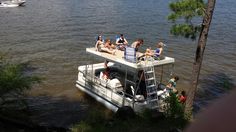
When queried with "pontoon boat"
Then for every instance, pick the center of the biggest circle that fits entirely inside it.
(123, 87)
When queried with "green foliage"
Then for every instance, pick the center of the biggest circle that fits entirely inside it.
(173, 108)
(146, 114)
(96, 116)
(145, 121)
(12, 79)
(81, 127)
(13, 83)
(95, 121)
(186, 10)
(174, 111)
(186, 30)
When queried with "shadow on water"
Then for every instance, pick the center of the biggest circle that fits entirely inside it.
(56, 111)
(46, 113)
(213, 86)
(62, 111)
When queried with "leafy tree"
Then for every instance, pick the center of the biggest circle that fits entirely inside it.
(174, 108)
(185, 11)
(174, 112)
(13, 83)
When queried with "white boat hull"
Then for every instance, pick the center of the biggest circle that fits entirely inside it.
(12, 3)
(98, 98)
(113, 99)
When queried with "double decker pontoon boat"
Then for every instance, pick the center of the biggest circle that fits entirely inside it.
(123, 88)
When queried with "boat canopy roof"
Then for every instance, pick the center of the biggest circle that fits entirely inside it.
(119, 58)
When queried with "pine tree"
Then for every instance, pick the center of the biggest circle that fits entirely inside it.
(185, 11)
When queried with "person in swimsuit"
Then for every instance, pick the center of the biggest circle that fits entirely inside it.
(98, 43)
(156, 53)
(136, 44)
(109, 45)
(101, 47)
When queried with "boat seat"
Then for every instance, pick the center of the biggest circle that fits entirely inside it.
(103, 81)
(161, 86)
(137, 97)
(163, 93)
(114, 83)
(110, 83)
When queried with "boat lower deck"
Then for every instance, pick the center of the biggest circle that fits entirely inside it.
(116, 92)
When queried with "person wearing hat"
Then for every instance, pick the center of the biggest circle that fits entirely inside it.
(156, 54)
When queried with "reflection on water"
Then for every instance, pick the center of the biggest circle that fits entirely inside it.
(53, 34)
(59, 111)
(212, 86)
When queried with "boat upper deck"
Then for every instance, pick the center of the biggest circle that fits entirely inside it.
(119, 58)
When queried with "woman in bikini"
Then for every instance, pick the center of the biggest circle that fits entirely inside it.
(101, 47)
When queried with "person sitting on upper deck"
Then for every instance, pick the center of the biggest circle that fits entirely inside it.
(101, 47)
(156, 54)
(98, 43)
(136, 44)
(109, 45)
(121, 42)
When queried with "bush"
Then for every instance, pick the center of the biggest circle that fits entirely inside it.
(81, 127)
(174, 111)
(13, 83)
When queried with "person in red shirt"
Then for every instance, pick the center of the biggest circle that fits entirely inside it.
(106, 73)
(182, 97)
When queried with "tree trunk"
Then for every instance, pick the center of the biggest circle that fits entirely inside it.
(199, 54)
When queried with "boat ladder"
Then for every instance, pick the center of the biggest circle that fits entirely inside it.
(151, 85)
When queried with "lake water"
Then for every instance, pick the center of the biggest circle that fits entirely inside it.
(52, 35)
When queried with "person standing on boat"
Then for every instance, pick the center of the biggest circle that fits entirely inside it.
(172, 84)
(106, 72)
(136, 44)
(121, 42)
(142, 84)
(182, 97)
